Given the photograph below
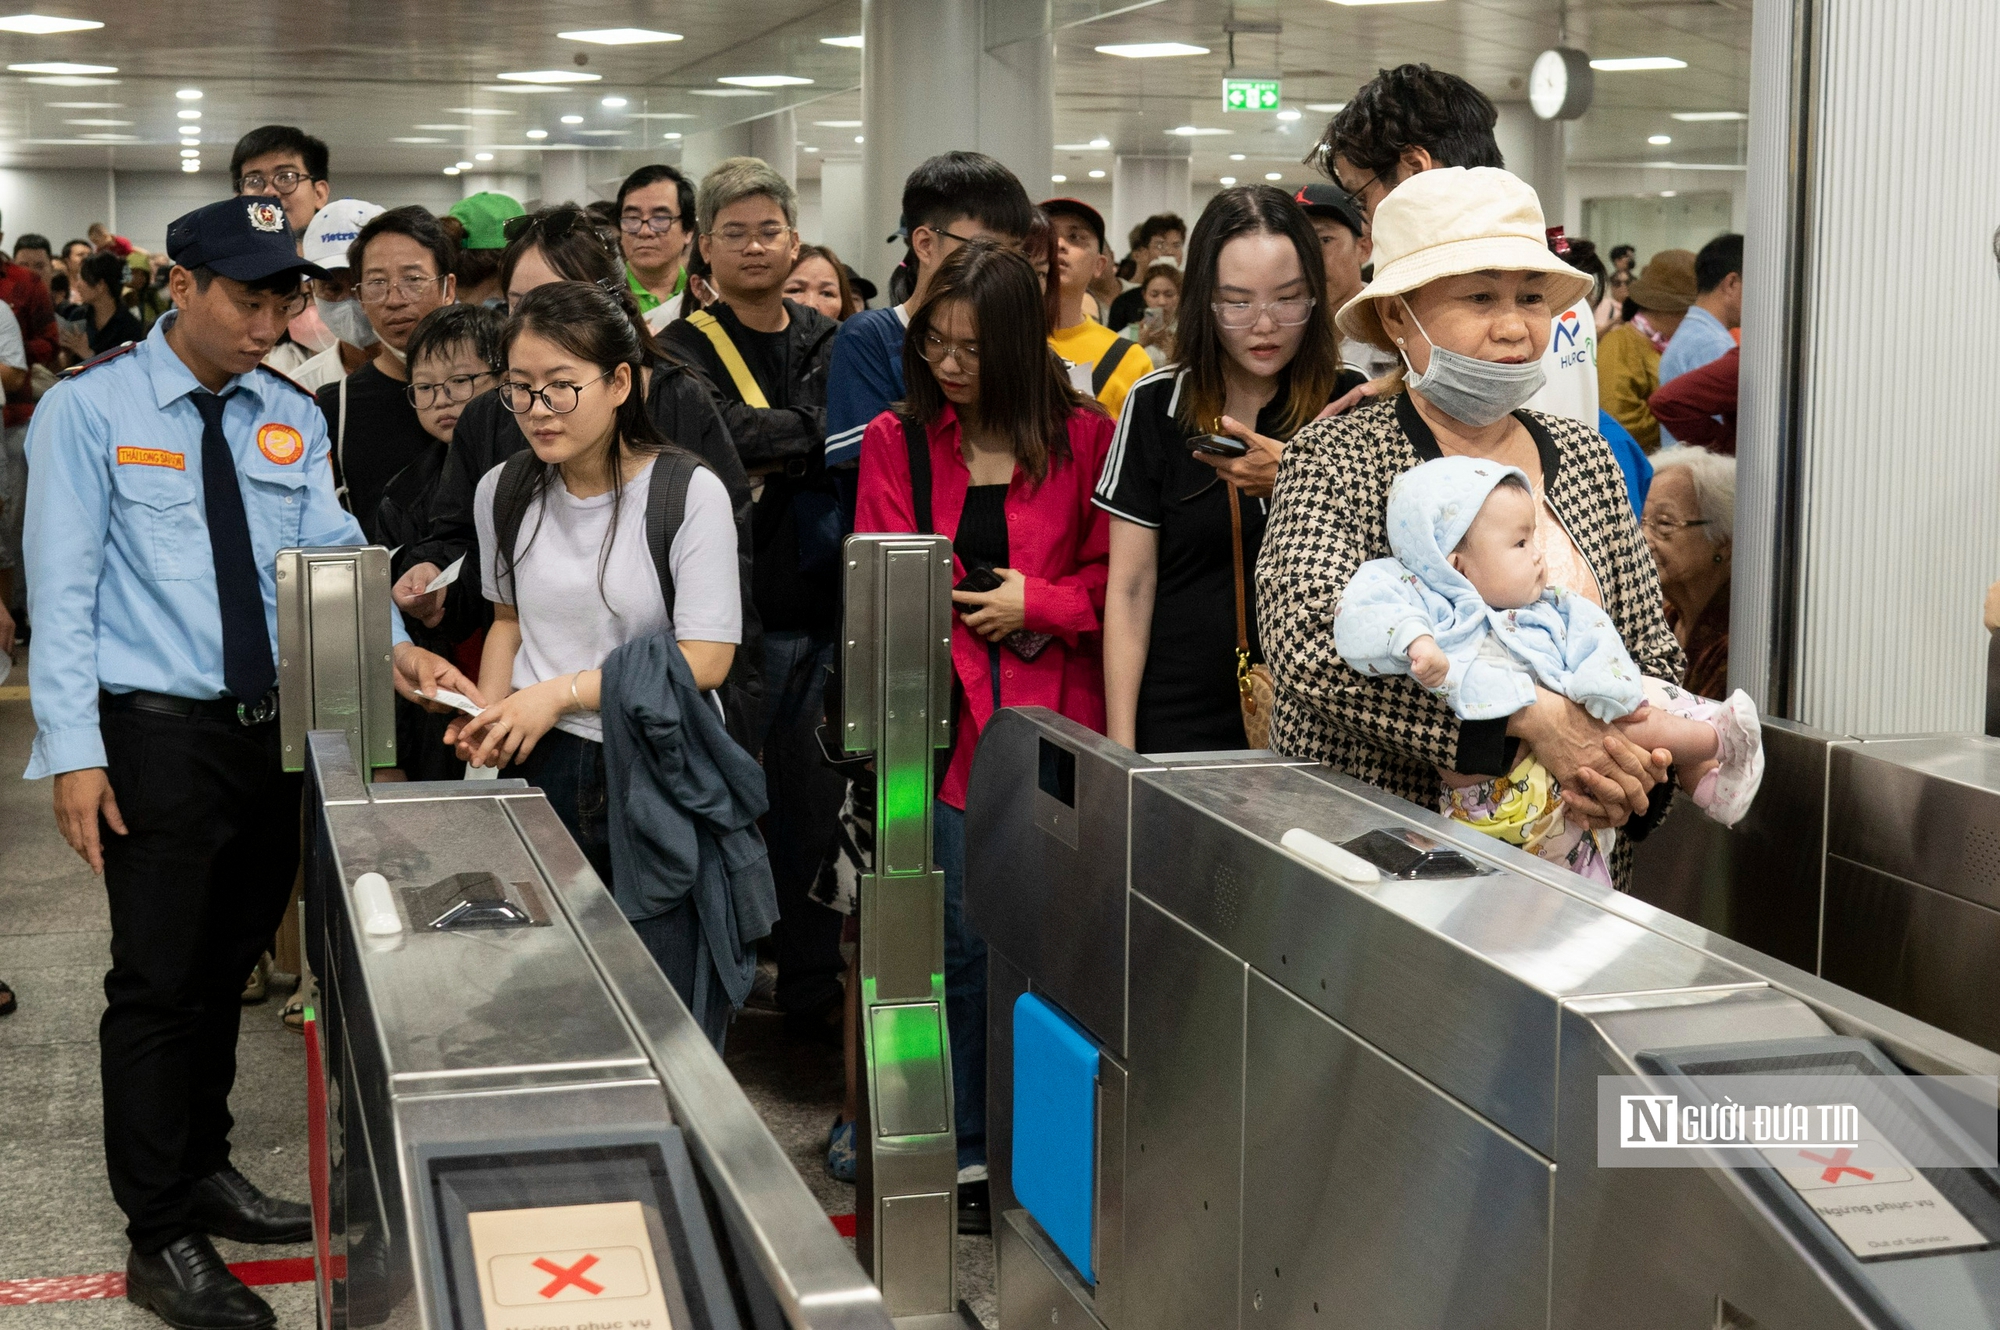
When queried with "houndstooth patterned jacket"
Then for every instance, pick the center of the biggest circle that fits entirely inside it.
(1328, 518)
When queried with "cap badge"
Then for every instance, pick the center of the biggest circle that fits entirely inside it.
(267, 216)
(280, 443)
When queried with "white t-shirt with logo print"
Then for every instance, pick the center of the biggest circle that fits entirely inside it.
(1569, 367)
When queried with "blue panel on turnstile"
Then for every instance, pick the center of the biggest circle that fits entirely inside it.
(1055, 1125)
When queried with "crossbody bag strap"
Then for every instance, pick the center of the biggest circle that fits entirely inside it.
(732, 359)
(1108, 363)
(1242, 615)
(340, 444)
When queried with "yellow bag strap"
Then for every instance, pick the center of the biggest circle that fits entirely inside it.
(732, 359)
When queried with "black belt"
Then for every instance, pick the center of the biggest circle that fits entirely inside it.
(263, 712)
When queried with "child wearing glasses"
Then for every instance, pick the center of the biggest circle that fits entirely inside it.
(1466, 607)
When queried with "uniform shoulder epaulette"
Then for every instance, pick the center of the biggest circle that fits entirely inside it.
(290, 382)
(121, 349)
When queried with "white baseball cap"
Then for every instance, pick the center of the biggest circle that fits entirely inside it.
(334, 227)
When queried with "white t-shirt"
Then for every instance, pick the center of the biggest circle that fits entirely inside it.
(317, 370)
(1569, 367)
(565, 622)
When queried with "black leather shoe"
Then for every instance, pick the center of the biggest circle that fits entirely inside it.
(187, 1285)
(226, 1205)
(975, 1207)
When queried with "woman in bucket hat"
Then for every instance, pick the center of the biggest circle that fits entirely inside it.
(1463, 294)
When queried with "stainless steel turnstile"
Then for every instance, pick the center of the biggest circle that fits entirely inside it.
(1323, 1102)
(516, 1123)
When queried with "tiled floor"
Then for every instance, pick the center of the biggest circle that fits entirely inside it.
(56, 1212)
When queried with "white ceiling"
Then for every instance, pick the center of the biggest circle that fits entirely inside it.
(366, 75)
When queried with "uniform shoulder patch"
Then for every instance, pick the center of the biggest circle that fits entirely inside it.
(123, 348)
(290, 382)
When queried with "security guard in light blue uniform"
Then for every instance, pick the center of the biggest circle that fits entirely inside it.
(164, 479)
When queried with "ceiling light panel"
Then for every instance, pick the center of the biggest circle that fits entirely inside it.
(1356, 4)
(1151, 50)
(851, 43)
(62, 67)
(1197, 131)
(549, 76)
(45, 25)
(764, 80)
(1633, 64)
(1701, 117)
(838, 124)
(618, 37)
(727, 92)
(474, 110)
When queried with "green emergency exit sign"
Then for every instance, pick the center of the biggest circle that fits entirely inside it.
(1249, 94)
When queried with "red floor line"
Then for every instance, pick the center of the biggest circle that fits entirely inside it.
(111, 1284)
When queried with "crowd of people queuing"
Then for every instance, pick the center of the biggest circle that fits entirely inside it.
(643, 425)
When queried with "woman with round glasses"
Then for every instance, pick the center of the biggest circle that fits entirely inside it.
(1191, 469)
(1463, 294)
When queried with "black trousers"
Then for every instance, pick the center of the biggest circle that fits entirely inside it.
(804, 816)
(197, 888)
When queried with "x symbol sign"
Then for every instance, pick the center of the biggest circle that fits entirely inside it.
(1837, 1165)
(565, 1277)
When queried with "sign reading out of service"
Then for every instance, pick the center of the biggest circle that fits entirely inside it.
(1249, 94)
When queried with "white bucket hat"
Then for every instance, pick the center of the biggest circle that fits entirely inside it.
(1450, 222)
(333, 228)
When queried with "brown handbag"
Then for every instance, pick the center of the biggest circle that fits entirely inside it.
(1254, 685)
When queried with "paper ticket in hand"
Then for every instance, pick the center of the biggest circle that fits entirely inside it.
(447, 577)
(457, 700)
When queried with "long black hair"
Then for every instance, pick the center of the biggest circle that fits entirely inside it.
(1023, 393)
(590, 324)
(577, 248)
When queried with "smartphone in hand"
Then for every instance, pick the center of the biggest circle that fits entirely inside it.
(1218, 445)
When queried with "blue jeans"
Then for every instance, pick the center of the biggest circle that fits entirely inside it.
(570, 771)
(964, 989)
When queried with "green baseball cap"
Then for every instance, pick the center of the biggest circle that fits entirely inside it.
(485, 217)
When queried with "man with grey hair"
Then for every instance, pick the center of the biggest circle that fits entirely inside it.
(767, 357)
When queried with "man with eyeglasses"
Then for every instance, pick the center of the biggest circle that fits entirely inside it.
(401, 267)
(332, 338)
(767, 357)
(1107, 364)
(283, 163)
(656, 216)
(165, 478)
(1414, 118)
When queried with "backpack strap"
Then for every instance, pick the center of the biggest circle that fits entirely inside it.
(510, 505)
(340, 445)
(1108, 363)
(666, 509)
(732, 359)
(919, 446)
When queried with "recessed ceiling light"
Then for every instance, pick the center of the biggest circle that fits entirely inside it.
(62, 67)
(1197, 131)
(1236, 157)
(1059, 179)
(451, 170)
(549, 76)
(727, 92)
(1228, 180)
(474, 110)
(668, 115)
(464, 166)
(1669, 193)
(572, 120)
(538, 133)
(1097, 175)
(602, 133)
(1100, 143)
(188, 115)
(1326, 108)
(482, 156)
(1697, 117)
(851, 43)
(764, 80)
(1079, 147)
(612, 103)
(807, 147)
(838, 124)
(518, 89)
(111, 138)
(1150, 50)
(190, 167)
(1274, 175)
(416, 138)
(1659, 140)
(97, 122)
(88, 106)
(618, 37)
(1637, 62)
(447, 128)
(1288, 116)
(190, 152)
(44, 25)
(189, 94)
(859, 139)
(670, 135)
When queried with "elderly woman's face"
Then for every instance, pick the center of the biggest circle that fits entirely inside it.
(1674, 529)
(1497, 316)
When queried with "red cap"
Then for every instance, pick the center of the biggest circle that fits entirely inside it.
(1558, 242)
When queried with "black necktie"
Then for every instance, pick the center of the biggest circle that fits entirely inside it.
(246, 642)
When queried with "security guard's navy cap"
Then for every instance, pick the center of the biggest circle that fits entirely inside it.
(245, 239)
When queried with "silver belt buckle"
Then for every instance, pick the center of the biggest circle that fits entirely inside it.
(259, 712)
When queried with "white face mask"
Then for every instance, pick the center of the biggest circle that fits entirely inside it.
(1478, 392)
(347, 320)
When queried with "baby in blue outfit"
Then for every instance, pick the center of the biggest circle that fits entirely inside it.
(1465, 607)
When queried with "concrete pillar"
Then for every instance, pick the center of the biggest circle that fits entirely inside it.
(701, 151)
(1017, 108)
(775, 138)
(1534, 150)
(842, 224)
(1866, 525)
(920, 63)
(1142, 186)
(565, 176)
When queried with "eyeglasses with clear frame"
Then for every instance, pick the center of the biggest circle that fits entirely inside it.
(457, 388)
(658, 223)
(559, 397)
(1287, 313)
(1665, 527)
(936, 348)
(737, 239)
(376, 289)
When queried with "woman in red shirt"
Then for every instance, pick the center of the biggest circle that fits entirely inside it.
(1013, 453)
